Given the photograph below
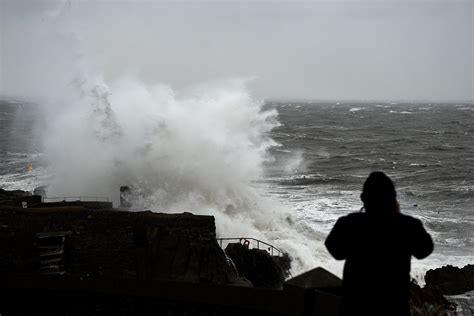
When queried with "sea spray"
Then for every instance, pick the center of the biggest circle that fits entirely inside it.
(201, 150)
(197, 153)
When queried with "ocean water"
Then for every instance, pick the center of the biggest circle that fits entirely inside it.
(427, 149)
(322, 154)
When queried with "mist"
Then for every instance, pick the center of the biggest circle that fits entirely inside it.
(365, 50)
(196, 148)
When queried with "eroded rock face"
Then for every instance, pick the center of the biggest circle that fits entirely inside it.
(258, 266)
(13, 198)
(181, 248)
(451, 280)
(116, 244)
(10, 195)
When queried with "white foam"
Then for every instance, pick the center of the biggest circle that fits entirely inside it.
(199, 150)
(417, 165)
(400, 112)
(26, 181)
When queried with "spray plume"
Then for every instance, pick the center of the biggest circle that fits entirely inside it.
(201, 151)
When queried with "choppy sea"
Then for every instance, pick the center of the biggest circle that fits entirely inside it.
(328, 149)
(427, 149)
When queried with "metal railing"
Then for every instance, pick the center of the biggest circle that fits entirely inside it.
(246, 241)
(76, 199)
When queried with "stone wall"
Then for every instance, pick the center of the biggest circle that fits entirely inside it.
(116, 244)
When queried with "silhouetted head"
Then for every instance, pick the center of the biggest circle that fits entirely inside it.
(379, 194)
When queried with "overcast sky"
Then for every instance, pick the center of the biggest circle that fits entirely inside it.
(378, 50)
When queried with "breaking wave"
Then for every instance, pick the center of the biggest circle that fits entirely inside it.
(200, 150)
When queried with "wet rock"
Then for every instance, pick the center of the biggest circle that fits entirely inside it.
(125, 196)
(258, 266)
(10, 195)
(117, 244)
(424, 302)
(13, 198)
(464, 303)
(451, 280)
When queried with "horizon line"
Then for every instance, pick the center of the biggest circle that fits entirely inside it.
(365, 100)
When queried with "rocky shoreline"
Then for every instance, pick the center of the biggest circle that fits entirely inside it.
(69, 245)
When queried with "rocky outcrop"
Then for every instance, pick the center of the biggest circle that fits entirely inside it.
(10, 195)
(16, 197)
(115, 244)
(180, 247)
(258, 266)
(450, 280)
(423, 302)
(427, 302)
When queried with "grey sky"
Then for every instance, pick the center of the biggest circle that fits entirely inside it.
(381, 50)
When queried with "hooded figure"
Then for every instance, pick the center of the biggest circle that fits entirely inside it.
(377, 245)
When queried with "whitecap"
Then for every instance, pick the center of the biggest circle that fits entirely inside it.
(401, 112)
(283, 150)
(418, 165)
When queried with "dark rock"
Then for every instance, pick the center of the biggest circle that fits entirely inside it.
(9, 195)
(424, 302)
(12, 198)
(91, 205)
(284, 262)
(27, 201)
(180, 247)
(257, 266)
(117, 244)
(451, 280)
(125, 196)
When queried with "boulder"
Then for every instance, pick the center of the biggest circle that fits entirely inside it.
(257, 266)
(451, 280)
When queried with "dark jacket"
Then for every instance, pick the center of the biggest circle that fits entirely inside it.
(377, 250)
